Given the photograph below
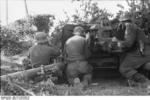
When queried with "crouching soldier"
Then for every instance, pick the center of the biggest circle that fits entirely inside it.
(42, 53)
(137, 52)
(77, 53)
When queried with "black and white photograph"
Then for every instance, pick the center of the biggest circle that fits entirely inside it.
(74, 48)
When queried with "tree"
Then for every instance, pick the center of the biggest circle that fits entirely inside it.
(140, 12)
(26, 8)
(89, 12)
(43, 22)
(10, 43)
(18, 36)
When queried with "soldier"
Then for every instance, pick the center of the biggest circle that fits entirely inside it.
(42, 53)
(77, 53)
(137, 55)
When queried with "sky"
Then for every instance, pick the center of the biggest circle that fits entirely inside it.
(16, 8)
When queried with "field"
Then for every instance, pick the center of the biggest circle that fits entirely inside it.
(100, 85)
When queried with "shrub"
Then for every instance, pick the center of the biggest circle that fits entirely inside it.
(140, 12)
(10, 43)
(43, 22)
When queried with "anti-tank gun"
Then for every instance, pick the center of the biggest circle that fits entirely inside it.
(103, 58)
(100, 37)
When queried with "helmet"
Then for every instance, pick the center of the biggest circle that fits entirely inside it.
(126, 16)
(41, 37)
(78, 30)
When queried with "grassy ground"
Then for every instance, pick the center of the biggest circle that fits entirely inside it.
(99, 86)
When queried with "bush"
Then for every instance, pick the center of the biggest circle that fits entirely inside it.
(140, 12)
(23, 29)
(10, 43)
(18, 36)
(43, 22)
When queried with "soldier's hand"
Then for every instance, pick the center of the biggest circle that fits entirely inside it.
(113, 45)
(119, 44)
(114, 39)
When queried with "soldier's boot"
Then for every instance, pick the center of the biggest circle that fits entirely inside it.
(87, 78)
(146, 67)
(138, 79)
(76, 81)
(70, 81)
(78, 84)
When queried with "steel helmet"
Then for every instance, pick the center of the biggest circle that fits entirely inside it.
(78, 30)
(126, 16)
(41, 37)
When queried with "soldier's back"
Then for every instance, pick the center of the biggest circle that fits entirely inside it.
(40, 54)
(75, 47)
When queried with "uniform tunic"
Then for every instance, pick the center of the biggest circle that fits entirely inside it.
(77, 53)
(132, 59)
(77, 49)
(41, 54)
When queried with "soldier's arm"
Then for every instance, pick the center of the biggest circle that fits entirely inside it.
(148, 39)
(55, 52)
(129, 38)
(28, 54)
(64, 52)
(27, 61)
(142, 35)
(87, 50)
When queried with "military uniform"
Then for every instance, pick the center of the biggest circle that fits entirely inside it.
(42, 53)
(77, 53)
(133, 58)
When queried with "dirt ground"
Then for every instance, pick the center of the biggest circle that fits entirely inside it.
(99, 86)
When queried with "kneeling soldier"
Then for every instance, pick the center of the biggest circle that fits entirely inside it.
(137, 55)
(77, 53)
(42, 53)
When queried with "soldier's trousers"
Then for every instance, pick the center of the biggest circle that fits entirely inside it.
(131, 63)
(79, 69)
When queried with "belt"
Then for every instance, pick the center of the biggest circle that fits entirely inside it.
(72, 61)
